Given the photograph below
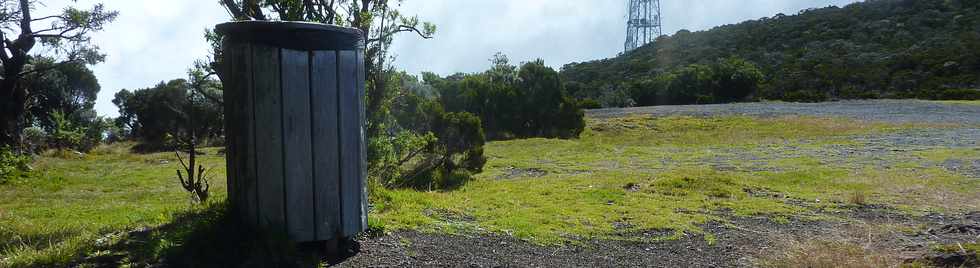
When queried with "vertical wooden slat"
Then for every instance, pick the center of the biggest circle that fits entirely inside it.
(297, 135)
(350, 150)
(246, 138)
(232, 87)
(362, 178)
(268, 136)
(326, 144)
(240, 146)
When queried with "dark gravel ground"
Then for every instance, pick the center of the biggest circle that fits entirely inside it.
(878, 150)
(900, 111)
(741, 240)
(739, 243)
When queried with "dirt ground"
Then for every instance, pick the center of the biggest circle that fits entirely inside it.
(741, 241)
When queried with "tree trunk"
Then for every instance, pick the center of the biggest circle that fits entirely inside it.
(11, 113)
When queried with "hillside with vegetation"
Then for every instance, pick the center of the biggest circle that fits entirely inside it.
(873, 49)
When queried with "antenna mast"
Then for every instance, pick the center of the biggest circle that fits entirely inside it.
(643, 23)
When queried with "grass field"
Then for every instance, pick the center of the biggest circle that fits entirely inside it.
(624, 175)
(639, 173)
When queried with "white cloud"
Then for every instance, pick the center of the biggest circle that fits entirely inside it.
(153, 41)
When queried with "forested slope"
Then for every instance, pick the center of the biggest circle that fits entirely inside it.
(878, 48)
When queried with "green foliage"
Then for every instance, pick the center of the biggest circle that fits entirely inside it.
(70, 89)
(64, 134)
(692, 84)
(154, 114)
(512, 102)
(13, 165)
(871, 49)
(589, 103)
(56, 38)
(428, 148)
(735, 79)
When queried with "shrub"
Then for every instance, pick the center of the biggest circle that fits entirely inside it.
(736, 79)
(570, 120)
(852, 92)
(34, 140)
(13, 165)
(613, 96)
(958, 94)
(65, 134)
(693, 84)
(589, 103)
(804, 96)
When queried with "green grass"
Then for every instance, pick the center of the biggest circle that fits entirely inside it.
(963, 102)
(621, 177)
(69, 202)
(639, 173)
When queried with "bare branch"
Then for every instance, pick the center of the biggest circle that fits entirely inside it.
(234, 9)
(401, 29)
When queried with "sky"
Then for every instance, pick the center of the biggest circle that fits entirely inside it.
(154, 41)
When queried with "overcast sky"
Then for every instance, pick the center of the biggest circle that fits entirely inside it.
(153, 41)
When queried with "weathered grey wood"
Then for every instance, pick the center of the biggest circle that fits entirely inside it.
(298, 140)
(239, 141)
(362, 178)
(268, 136)
(326, 144)
(247, 157)
(350, 139)
(231, 89)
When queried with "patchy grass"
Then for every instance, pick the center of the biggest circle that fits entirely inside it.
(640, 173)
(963, 102)
(58, 213)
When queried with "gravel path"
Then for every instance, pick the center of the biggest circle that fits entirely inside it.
(900, 111)
(878, 150)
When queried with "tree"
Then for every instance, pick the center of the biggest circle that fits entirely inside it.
(159, 114)
(69, 88)
(736, 79)
(691, 85)
(64, 35)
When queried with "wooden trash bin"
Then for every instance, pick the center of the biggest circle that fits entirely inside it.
(294, 107)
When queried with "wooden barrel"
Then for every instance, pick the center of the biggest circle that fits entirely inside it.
(294, 107)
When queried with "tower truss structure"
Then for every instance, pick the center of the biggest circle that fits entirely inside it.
(643, 24)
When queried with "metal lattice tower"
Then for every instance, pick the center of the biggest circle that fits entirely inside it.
(643, 23)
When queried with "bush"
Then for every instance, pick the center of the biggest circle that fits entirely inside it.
(804, 96)
(958, 94)
(13, 165)
(736, 79)
(589, 103)
(570, 121)
(616, 97)
(852, 92)
(34, 140)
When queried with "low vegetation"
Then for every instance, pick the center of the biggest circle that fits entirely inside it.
(640, 173)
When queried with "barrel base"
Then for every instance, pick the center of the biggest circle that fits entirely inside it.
(332, 252)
